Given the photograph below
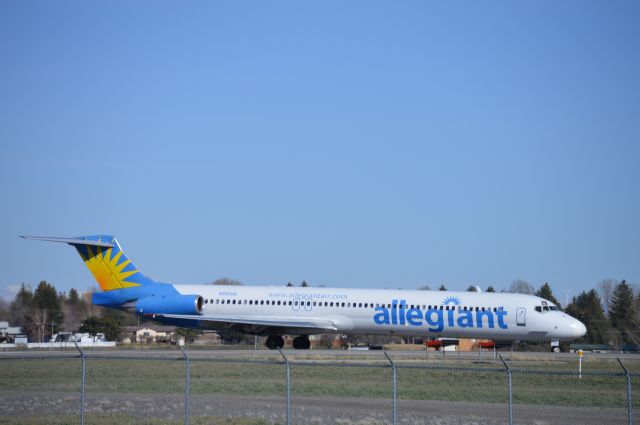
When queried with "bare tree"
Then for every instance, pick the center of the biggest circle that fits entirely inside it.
(226, 281)
(520, 286)
(606, 288)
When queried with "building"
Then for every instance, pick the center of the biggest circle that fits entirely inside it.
(150, 334)
(8, 333)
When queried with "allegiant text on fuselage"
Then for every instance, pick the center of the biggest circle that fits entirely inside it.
(436, 318)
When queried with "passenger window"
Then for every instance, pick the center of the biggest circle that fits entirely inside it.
(278, 302)
(342, 304)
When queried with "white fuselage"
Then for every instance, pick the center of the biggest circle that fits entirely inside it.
(499, 316)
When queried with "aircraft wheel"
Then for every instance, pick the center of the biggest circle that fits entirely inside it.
(301, 342)
(274, 342)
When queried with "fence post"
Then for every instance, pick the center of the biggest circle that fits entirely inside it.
(187, 368)
(510, 389)
(288, 374)
(395, 388)
(84, 380)
(629, 400)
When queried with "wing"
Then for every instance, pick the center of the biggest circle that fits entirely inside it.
(257, 324)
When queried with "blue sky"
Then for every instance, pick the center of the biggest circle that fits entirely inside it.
(359, 144)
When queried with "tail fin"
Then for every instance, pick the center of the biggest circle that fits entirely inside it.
(105, 259)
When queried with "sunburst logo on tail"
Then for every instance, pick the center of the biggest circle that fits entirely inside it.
(110, 267)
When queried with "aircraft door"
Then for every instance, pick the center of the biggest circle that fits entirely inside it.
(307, 305)
(521, 316)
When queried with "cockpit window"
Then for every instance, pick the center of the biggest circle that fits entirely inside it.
(545, 307)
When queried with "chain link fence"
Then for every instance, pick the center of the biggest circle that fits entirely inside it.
(259, 388)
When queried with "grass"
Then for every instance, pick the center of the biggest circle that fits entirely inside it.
(437, 381)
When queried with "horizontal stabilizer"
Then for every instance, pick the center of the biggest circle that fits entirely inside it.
(70, 241)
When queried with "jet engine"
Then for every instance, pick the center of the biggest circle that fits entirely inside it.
(171, 304)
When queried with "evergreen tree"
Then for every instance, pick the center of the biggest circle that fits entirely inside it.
(442, 288)
(304, 284)
(74, 298)
(587, 307)
(22, 311)
(546, 293)
(472, 288)
(47, 310)
(623, 314)
(490, 289)
(110, 325)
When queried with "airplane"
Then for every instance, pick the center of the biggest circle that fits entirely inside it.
(274, 311)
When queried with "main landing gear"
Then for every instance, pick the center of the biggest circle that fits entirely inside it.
(274, 342)
(299, 343)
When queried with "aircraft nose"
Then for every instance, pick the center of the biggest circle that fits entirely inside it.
(578, 328)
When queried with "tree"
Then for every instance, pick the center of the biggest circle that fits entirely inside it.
(226, 281)
(74, 298)
(289, 284)
(304, 284)
(424, 288)
(546, 293)
(442, 288)
(472, 288)
(190, 335)
(110, 325)
(48, 314)
(4, 310)
(75, 309)
(605, 287)
(490, 289)
(587, 308)
(623, 313)
(520, 286)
